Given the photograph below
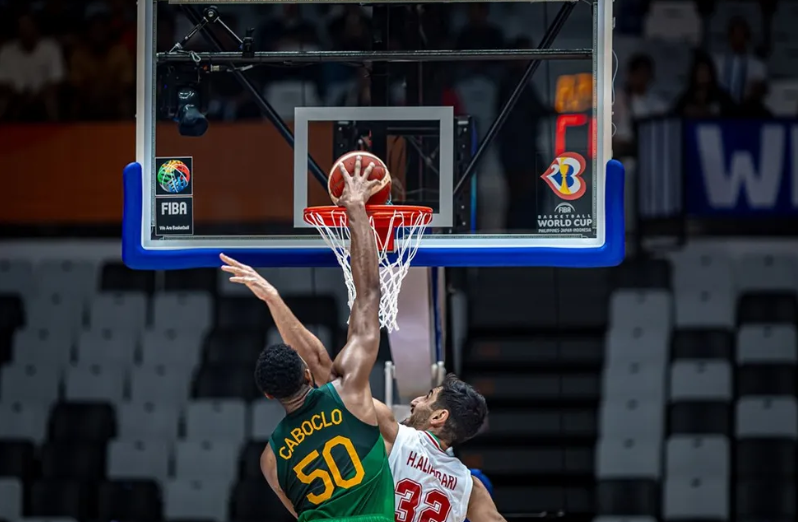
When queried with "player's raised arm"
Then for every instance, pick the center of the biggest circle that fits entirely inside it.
(355, 361)
(480, 506)
(293, 332)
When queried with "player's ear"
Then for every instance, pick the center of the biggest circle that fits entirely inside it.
(309, 378)
(438, 418)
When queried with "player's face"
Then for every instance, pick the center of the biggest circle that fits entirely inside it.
(423, 414)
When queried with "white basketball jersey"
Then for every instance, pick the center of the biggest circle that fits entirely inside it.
(430, 485)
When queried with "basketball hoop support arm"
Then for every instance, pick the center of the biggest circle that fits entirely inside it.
(546, 42)
(268, 111)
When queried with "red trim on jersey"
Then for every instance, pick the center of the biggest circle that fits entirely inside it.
(434, 440)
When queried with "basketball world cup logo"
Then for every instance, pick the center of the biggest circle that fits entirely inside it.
(174, 176)
(564, 176)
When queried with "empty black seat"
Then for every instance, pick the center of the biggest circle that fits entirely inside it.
(643, 274)
(116, 277)
(699, 418)
(6, 340)
(235, 313)
(191, 280)
(58, 498)
(765, 379)
(233, 346)
(765, 499)
(86, 422)
(17, 458)
(254, 501)
(766, 458)
(73, 461)
(585, 290)
(131, 500)
(226, 381)
(314, 309)
(12, 312)
(633, 497)
(250, 460)
(702, 344)
(768, 308)
(495, 293)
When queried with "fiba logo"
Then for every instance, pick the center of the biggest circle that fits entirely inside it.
(174, 176)
(564, 208)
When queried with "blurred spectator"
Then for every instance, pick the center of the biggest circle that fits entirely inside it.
(123, 22)
(289, 32)
(102, 73)
(351, 31)
(704, 97)
(741, 73)
(517, 141)
(478, 32)
(61, 20)
(634, 102)
(31, 71)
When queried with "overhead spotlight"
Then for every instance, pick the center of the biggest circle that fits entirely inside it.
(185, 100)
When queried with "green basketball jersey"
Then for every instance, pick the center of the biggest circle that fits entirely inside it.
(330, 464)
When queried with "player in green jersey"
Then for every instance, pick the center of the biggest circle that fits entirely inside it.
(327, 460)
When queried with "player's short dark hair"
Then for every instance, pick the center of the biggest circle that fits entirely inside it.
(467, 410)
(279, 371)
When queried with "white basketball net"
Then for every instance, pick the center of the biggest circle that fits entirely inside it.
(408, 229)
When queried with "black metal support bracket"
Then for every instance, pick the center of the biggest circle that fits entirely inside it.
(245, 82)
(548, 39)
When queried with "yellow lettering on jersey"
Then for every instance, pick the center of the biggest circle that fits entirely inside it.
(316, 423)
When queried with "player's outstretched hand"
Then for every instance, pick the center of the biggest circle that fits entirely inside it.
(357, 185)
(246, 275)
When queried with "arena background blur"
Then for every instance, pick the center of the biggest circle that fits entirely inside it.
(661, 389)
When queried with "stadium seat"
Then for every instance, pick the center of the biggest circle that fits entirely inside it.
(225, 381)
(203, 459)
(181, 310)
(697, 457)
(628, 497)
(107, 347)
(701, 380)
(766, 458)
(216, 420)
(20, 420)
(767, 307)
(647, 309)
(74, 279)
(57, 312)
(769, 499)
(119, 310)
(755, 272)
(17, 459)
(159, 384)
(12, 312)
(703, 271)
(197, 499)
(254, 501)
(242, 313)
(696, 498)
(191, 280)
(700, 418)
(30, 383)
(704, 308)
(631, 418)
(73, 461)
(16, 277)
(650, 274)
(624, 344)
(265, 416)
(171, 347)
(42, 346)
(82, 422)
(10, 498)
(148, 421)
(620, 458)
(129, 501)
(94, 383)
(116, 277)
(634, 379)
(138, 459)
(766, 379)
(775, 417)
(703, 343)
(248, 345)
(57, 498)
(766, 343)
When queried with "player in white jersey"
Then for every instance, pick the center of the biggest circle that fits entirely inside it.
(431, 485)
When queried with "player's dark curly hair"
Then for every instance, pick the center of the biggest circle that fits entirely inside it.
(467, 410)
(279, 371)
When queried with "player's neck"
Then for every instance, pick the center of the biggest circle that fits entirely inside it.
(442, 445)
(296, 401)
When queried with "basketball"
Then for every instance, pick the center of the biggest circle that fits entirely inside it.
(379, 194)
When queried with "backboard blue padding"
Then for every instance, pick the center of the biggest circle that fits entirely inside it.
(609, 254)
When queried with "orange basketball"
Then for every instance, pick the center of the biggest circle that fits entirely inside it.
(379, 194)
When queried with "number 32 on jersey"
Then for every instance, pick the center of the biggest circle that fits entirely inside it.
(433, 507)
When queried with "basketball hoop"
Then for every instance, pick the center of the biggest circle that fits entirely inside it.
(398, 230)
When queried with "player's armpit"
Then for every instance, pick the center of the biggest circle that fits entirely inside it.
(268, 466)
(480, 506)
(387, 423)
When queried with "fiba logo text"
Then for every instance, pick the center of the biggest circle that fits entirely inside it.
(174, 208)
(174, 176)
(564, 208)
